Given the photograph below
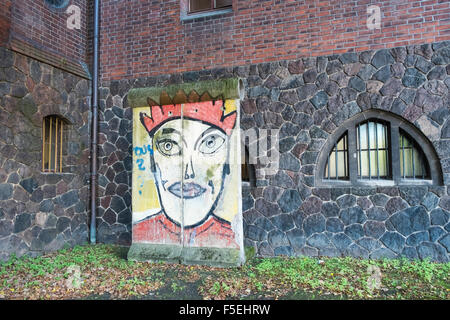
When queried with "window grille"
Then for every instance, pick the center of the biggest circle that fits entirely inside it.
(52, 144)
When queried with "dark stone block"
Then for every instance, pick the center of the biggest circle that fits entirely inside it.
(266, 208)
(334, 225)
(352, 215)
(46, 206)
(436, 233)
(382, 58)
(333, 66)
(6, 228)
(283, 251)
(310, 76)
(410, 220)
(271, 193)
(283, 222)
(289, 162)
(430, 201)
(29, 185)
(413, 78)
(439, 217)
(408, 95)
(377, 213)
(341, 241)
(281, 179)
(69, 198)
(22, 222)
(289, 201)
(437, 73)
(432, 251)
(356, 251)
(255, 233)
(289, 97)
(319, 100)
(393, 241)
(62, 224)
(330, 209)
(392, 87)
(124, 217)
(296, 238)
(47, 235)
(441, 56)
(383, 74)
(410, 253)
(37, 196)
(314, 223)
(369, 244)
(423, 64)
(117, 204)
(374, 229)
(346, 201)
(277, 238)
(395, 204)
(354, 231)
(309, 157)
(247, 203)
(413, 195)
(379, 199)
(416, 238)
(445, 241)
(319, 241)
(6, 191)
(312, 205)
(303, 120)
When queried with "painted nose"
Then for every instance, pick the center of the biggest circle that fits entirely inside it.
(189, 171)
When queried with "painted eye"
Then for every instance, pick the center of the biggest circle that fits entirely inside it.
(211, 144)
(168, 147)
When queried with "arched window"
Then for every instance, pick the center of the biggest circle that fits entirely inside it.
(378, 148)
(53, 141)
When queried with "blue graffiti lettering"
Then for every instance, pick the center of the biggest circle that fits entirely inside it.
(140, 163)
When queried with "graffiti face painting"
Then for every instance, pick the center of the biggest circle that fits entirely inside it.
(190, 168)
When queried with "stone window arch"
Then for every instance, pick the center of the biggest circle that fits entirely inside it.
(378, 148)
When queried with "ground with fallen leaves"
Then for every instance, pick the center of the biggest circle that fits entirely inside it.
(102, 272)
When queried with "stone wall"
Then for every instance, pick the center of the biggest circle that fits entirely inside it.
(307, 100)
(39, 211)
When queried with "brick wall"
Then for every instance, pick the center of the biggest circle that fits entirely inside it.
(45, 28)
(5, 21)
(140, 38)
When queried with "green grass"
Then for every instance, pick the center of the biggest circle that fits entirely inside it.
(103, 268)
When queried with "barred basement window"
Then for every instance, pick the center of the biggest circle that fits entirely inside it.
(52, 143)
(204, 5)
(378, 148)
(337, 164)
(248, 174)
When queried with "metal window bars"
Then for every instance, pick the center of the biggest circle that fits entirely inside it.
(52, 143)
(413, 164)
(373, 150)
(337, 164)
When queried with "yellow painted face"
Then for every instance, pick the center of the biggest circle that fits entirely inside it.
(202, 154)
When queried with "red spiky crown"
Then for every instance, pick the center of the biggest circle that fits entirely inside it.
(211, 112)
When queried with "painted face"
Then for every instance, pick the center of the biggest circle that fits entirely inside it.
(201, 152)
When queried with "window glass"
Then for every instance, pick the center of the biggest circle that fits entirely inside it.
(337, 164)
(372, 149)
(412, 163)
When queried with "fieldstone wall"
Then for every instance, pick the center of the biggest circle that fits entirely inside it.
(39, 211)
(307, 99)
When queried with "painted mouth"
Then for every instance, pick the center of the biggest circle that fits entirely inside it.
(190, 190)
